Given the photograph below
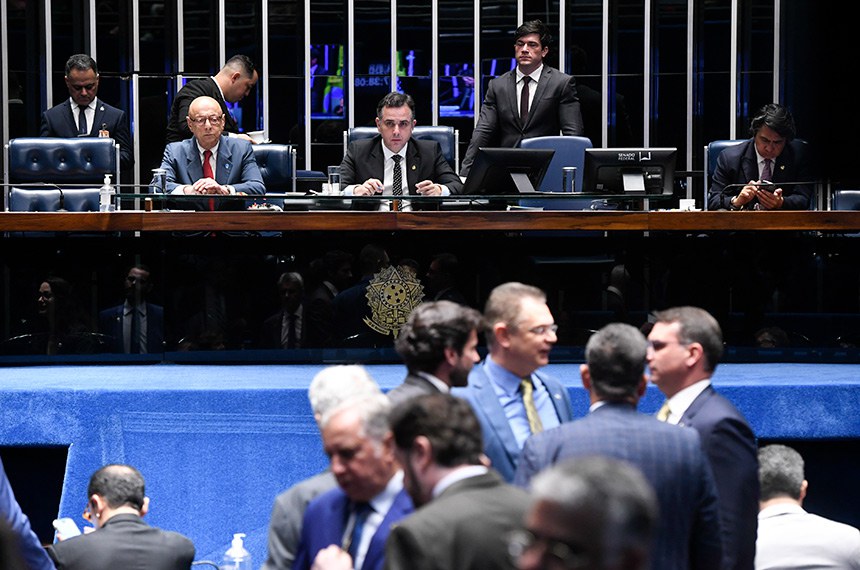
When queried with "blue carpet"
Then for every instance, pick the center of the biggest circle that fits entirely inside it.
(218, 443)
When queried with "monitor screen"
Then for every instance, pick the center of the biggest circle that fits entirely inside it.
(507, 170)
(629, 171)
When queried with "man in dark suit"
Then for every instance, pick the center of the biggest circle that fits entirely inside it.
(533, 100)
(31, 550)
(117, 503)
(588, 512)
(685, 346)
(466, 511)
(123, 326)
(99, 118)
(438, 344)
(510, 397)
(210, 164)
(358, 515)
(671, 459)
(288, 327)
(377, 165)
(770, 156)
(231, 84)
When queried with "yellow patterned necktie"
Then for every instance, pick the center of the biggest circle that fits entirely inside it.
(663, 412)
(535, 425)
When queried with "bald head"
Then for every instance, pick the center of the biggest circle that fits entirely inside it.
(206, 121)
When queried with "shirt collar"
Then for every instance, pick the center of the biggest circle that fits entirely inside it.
(388, 153)
(679, 403)
(535, 75)
(441, 386)
(464, 472)
(778, 509)
(214, 149)
(502, 377)
(92, 104)
(127, 308)
(382, 502)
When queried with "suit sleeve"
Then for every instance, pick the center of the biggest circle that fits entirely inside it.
(284, 534)
(569, 113)
(706, 550)
(45, 129)
(529, 464)
(252, 180)
(168, 163)
(724, 174)
(123, 137)
(31, 549)
(443, 173)
(348, 175)
(485, 133)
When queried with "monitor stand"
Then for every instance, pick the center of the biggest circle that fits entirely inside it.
(524, 185)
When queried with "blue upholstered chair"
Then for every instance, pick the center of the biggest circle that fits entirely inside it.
(844, 199)
(569, 151)
(447, 137)
(277, 164)
(712, 153)
(59, 171)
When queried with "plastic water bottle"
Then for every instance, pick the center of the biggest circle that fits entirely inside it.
(236, 557)
(106, 194)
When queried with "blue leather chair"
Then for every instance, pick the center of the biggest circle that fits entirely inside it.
(59, 170)
(447, 137)
(712, 152)
(277, 164)
(845, 200)
(569, 151)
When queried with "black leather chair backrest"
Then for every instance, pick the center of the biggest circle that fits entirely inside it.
(447, 137)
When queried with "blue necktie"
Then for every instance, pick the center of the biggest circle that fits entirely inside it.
(362, 510)
(82, 120)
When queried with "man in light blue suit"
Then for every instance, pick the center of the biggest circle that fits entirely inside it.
(358, 514)
(520, 333)
(670, 457)
(209, 164)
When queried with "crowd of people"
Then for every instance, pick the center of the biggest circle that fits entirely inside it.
(482, 464)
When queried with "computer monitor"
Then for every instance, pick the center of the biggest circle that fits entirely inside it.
(629, 171)
(507, 170)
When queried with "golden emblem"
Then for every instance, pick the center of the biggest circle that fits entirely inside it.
(392, 294)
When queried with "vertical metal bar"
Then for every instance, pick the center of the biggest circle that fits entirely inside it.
(733, 72)
(604, 76)
(4, 85)
(222, 34)
(434, 62)
(135, 92)
(395, 60)
(264, 81)
(307, 83)
(520, 12)
(350, 76)
(92, 48)
(476, 33)
(777, 55)
(562, 37)
(49, 60)
(690, 60)
(180, 42)
(647, 79)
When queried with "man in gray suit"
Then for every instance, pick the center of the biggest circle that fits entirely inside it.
(329, 388)
(466, 510)
(116, 506)
(438, 344)
(533, 100)
(671, 458)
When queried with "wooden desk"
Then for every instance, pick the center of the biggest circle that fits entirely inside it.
(824, 221)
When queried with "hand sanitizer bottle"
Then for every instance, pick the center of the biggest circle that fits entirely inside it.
(236, 557)
(106, 194)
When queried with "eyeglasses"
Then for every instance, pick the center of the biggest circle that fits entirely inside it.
(389, 124)
(213, 119)
(544, 330)
(569, 556)
(88, 87)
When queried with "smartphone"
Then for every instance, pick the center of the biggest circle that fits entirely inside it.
(66, 527)
(766, 185)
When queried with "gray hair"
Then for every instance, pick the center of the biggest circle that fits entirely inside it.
(373, 411)
(335, 384)
(616, 360)
(608, 486)
(780, 472)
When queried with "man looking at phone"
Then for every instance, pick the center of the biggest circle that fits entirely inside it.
(117, 502)
(748, 175)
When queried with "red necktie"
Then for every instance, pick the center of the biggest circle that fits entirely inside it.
(207, 172)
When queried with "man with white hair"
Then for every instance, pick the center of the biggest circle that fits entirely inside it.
(330, 387)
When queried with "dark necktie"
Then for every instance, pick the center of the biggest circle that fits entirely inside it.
(397, 184)
(535, 425)
(524, 99)
(207, 172)
(291, 330)
(82, 120)
(767, 171)
(134, 337)
(362, 511)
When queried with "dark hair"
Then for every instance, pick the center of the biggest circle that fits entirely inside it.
(780, 472)
(534, 27)
(395, 100)
(82, 62)
(243, 64)
(777, 118)
(430, 329)
(696, 325)
(335, 259)
(616, 360)
(119, 485)
(448, 422)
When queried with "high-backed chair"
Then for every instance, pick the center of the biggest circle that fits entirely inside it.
(569, 151)
(60, 171)
(277, 164)
(447, 137)
(844, 199)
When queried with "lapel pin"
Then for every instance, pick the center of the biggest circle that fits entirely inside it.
(413, 167)
(782, 167)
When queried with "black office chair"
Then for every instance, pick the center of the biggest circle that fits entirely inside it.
(64, 173)
(447, 137)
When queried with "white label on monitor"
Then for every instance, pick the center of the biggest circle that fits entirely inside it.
(633, 182)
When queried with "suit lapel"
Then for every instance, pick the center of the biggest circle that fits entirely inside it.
(512, 96)
(224, 174)
(70, 117)
(496, 415)
(541, 88)
(689, 415)
(98, 118)
(193, 165)
(750, 164)
(401, 507)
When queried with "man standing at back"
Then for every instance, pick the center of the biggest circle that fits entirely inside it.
(510, 397)
(231, 84)
(670, 458)
(685, 346)
(84, 115)
(438, 344)
(117, 504)
(533, 100)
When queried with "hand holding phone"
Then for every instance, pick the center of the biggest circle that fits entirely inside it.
(766, 185)
(66, 528)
